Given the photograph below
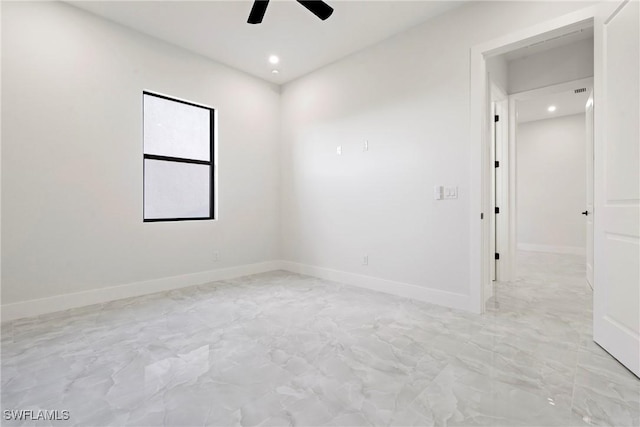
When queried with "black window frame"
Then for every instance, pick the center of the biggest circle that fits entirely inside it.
(210, 163)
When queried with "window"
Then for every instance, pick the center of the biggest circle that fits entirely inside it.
(178, 159)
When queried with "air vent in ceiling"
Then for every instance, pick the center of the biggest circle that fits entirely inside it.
(582, 89)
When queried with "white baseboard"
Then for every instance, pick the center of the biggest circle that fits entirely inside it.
(407, 290)
(52, 304)
(574, 250)
(56, 303)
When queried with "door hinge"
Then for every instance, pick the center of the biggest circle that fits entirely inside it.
(497, 164)
(496, 118)
(497, 210)
(481, 215)
(497, 255)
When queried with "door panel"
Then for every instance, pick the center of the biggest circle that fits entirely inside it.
(616, 306)
(622, 302)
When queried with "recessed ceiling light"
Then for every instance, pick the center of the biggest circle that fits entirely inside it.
(273, 59)
(275, 71)
(551, 108)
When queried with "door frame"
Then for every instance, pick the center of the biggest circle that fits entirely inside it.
(502, 185)
(480, 110)
(589, 206)
(499, 135)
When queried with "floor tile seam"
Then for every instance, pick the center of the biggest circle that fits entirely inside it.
(431, 382)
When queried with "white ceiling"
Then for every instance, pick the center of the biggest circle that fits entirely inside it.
(566, 103)
(219, 29)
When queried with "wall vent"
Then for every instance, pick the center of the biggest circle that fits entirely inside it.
(582, 89)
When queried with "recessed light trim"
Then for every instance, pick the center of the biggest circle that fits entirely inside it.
(551, 108)
(273, 59)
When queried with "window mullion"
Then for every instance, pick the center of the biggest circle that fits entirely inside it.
(176, 159)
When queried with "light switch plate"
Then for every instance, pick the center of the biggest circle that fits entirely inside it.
(450, 192)
(438, 191)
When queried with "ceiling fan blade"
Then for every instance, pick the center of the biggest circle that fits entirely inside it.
(318, 8)
(257, 11)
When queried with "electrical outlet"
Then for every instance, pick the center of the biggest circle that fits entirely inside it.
(365, 260)
(365, 146)
(339, 150)
(216, 256)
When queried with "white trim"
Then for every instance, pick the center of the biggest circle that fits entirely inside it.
(56, 303)
(407, 290)
(479, 108)
(479, 245)
(502, 223)
(573, 250)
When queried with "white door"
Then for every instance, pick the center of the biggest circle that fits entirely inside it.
(616, 303)
(589, 208)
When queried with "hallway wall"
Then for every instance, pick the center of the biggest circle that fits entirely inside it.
(551, 184)
(562, 64)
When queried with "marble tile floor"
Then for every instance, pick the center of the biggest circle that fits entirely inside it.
(280, 349)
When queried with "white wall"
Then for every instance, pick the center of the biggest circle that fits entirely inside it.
(72, 157)
(409, 97)
(566, 63)
(498, 70)
(551, 184)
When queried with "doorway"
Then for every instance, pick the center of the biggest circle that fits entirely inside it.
(616, 207)
(564, 86)
(552, 150)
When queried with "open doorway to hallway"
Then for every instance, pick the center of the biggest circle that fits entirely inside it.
(541, 232)
(540, 89)
(616, 207)
(554, 172)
